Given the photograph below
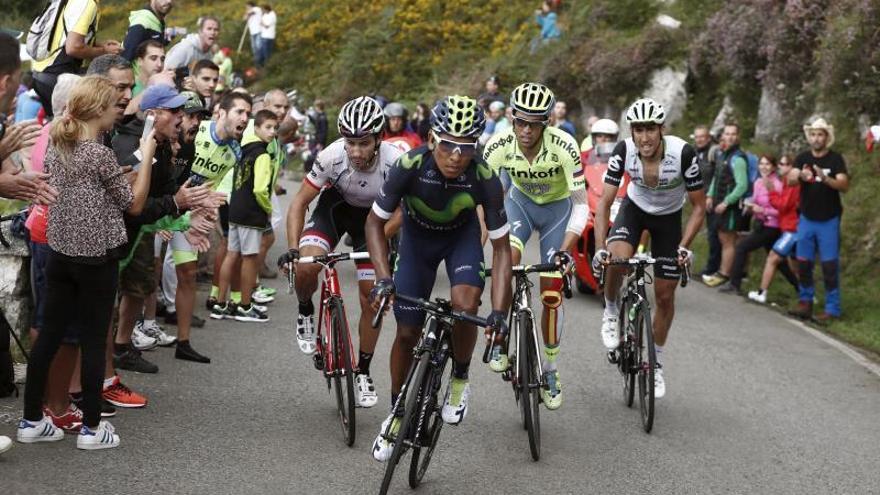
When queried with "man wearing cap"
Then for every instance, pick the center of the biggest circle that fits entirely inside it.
(137, 279)
(823, 176)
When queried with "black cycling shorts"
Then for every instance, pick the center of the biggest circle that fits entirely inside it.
(333, 218)
(665, 233)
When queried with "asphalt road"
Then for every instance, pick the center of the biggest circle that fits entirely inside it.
(753, 405)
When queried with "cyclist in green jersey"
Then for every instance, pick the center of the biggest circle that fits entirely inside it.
(545, 192)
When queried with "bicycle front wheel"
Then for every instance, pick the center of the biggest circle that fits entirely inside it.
(646, 359)
(529, 377)
(625, 355)
(411, 401)
(429, 423)
(343, 374)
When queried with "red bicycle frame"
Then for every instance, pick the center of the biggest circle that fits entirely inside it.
(331, 290)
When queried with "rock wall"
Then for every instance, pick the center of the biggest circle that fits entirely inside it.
(15, 292)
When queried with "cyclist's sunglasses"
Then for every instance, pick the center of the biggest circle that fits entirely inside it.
(450, 147)
(534, 124)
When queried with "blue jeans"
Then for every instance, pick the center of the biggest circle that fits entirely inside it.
(267, 45)
(824, 236)
(256, 47)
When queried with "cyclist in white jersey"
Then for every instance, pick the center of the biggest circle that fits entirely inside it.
(663, 172)
(348, 175)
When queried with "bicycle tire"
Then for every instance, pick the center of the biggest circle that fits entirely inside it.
(344, 386)
(432, 424)
(409, 410)
(529, 375)
(646, 362)
(626, 363)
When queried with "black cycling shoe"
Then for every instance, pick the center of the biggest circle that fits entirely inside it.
(195, 322)
(132, 360)
(187, 353)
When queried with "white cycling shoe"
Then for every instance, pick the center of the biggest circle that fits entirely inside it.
(454, 411)
(659, 382)
(609, 332)
(365, 391)
(305, 334)
(382, 448)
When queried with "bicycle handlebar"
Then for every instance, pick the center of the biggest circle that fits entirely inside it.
(645, 261)
(331, 258)
(439, 307)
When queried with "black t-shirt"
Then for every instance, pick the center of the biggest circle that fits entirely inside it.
(818, 201)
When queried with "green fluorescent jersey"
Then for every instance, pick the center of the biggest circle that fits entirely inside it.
(556, 171)
(214, 158)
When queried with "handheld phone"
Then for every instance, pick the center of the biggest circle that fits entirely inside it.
(148, 125)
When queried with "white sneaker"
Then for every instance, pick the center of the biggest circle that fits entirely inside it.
(659, 383)
(759, 296)
(142, 341)
(382, 448)
(152, 329)
(5, 444)
(261, 297)
(609, 332)
(305, 334)
(102, 437)
(365, 391)
(41, 431)
(454, 414)
(499, 362)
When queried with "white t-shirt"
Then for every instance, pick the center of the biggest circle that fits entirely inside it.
(269, 20)
(253, 21)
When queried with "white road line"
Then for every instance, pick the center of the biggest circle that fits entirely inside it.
(848, 350)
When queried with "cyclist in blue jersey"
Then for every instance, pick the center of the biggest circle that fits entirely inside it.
(439, 187)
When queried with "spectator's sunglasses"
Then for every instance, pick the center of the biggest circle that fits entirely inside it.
(450, 147)
(534, 124)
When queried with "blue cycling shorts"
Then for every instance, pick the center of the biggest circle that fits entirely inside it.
(525, 216)
(419, 255)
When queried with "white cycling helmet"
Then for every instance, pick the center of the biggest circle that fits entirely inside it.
(605, 126)
(646, 111)
(360, 117)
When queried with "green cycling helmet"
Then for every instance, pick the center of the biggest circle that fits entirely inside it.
(458, 116)
(532, 99)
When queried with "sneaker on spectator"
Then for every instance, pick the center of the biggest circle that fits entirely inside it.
(210, 302)
(269, 291)
(758, 296)
(804, 310)
(38, 431)
(142, 341)
(223, 312)
(70, 421)
(152, 329)
(250, 314)
(132, 360)
(121, 396)
(107, 409)
(5, 444)
(714, 280)
(261, 298)
(102, 437)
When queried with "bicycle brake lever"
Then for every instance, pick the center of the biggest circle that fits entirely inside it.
(377, 320)
(290, 276)
(490, 341)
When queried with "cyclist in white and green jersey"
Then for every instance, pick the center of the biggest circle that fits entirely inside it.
(544, 178)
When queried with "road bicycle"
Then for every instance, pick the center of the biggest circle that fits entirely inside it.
(525, 369)
(419, 403)
(635, 357)
(333, 354)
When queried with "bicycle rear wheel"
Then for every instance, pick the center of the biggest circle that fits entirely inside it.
(529, 376)
(343, 385)
(411, 401)
(646, 361)
(430, 422)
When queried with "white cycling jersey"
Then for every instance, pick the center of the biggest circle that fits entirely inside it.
(679, 172)
(358, 188)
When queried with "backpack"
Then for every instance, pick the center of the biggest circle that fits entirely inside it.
(39, 36)
(752, 169)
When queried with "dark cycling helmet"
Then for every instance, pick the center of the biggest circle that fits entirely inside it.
(458, 116)
(395, 109)
(533, 99)
(360, 117)
(646, 111)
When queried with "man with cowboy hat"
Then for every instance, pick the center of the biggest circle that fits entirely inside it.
(823, 177)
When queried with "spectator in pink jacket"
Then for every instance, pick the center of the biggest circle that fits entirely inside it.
(766, 230)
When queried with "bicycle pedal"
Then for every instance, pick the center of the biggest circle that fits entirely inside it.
(612, 357)
(506, 375)
(318, 361)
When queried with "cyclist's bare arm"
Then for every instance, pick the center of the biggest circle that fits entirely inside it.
(698, 213)
(392, 227)
(296, 213)
(502, 273)
(377, 245)
(603, 213)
